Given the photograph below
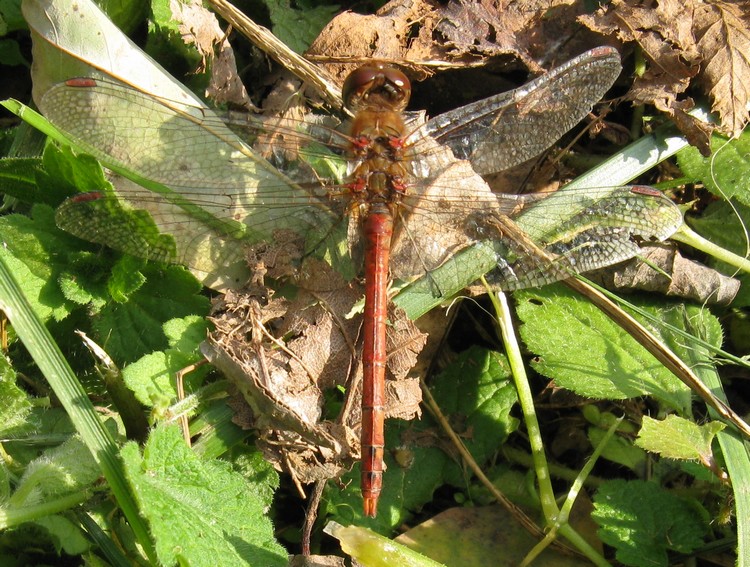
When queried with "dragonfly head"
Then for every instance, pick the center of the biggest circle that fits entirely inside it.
(376, 86)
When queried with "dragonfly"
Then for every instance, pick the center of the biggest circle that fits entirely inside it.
(399, 192)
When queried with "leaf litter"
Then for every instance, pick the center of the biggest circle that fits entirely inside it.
(286, 355)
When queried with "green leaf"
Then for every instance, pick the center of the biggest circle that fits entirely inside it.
(186, 334)
(14, 401)
(11, 54)
(18, 177)
(588, 353)
(298, 27)
(126, 278)
(166, 41)
(62, 470)
(130, 330)
(10, 15)
(181, 496)
(678, 438)
(726, 172)
(126, 15)
(36, 250)
(67, 173)
(477, 392)
(152, 378)
(65, 535)
(618, 450)
(642, 522)
(251, 464)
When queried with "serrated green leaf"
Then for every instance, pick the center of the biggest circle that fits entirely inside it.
(165, 39)
(18, 178)
(586, 352)
(181, 496)
(251, 464)
(642, 522)
(67, 173)
(126, 278)
(725, 225)
(152, 378)
(187, 333)
(33, 247)
(130, 330)
(678, 438)
(125, 15)
(477, 392)
(14, 402)
(726, 172)
(60, 470)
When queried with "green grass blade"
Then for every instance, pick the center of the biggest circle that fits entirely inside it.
(71, 394)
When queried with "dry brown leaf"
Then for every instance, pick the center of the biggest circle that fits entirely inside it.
(722, 30)
(679, 277)
(425, 36)
(683, 40)
(284, 355)
(200, 27)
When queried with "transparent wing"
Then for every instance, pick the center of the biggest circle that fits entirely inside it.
(572, 233)
(507, 129)
(205, 189)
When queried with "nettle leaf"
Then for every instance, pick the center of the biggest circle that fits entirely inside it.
(152, 377)
(250, 462)
(126, 278)
(166, 41)
(35, 250)
(67, 173)
(726, 171)
(132, 329)
(477, 392)
(14, 401)
(679, 438)
(642, 522)
(18, 178)
(182, 496)
(590, 354)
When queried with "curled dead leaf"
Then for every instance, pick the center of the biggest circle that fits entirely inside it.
(663, 269)
(686, 42)
(199, 26)
(284, 356)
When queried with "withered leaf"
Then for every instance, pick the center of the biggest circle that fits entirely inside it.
(722, 30)
(283, 355)
(425, 36)
(682, 40)
(200, 27)
(666, 271)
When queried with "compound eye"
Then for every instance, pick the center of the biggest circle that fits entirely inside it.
(397, 79)
(376, 85)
